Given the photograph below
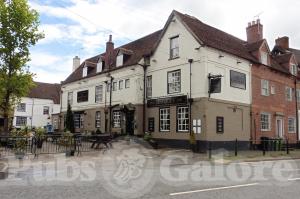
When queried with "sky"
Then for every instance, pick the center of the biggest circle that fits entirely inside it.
(82, 27)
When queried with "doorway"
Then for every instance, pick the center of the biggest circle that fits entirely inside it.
(279, 127)
(130, 122)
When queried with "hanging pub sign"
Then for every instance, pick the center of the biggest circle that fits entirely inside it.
(167, 101)
(151, 124)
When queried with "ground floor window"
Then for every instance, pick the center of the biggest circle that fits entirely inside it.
(164, 119)
(98, 119)
(291, 124)
(116, 119)
(78, 120)
(265, 121)
(183, 118)
(21, 121)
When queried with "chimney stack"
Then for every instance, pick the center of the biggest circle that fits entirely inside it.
(283, 42)
(76, 62)
(109, 53)
(254, 31)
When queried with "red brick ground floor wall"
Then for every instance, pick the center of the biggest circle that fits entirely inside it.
(275, 113)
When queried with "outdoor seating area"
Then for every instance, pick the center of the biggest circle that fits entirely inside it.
(68, 143)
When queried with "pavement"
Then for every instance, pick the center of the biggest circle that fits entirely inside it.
(132, 171)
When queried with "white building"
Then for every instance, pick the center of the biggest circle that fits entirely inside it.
(38, 108)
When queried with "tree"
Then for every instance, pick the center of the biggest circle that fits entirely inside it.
(18, 32)
(70, 120)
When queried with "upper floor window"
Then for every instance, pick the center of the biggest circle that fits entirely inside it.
(293, 69)
(46, 110)
(100, 65)
(70, 98)
(83, 96)
(121, 84)
(84, 71)
(237, 79)
(288, 93)
(174, 47)
(298, 95)
(265, 87)
(174, 82)
(119, 60)
(127, 83)
(264, 58)
(114, 86)
(98, 93)
(149, 86)
(21, 107)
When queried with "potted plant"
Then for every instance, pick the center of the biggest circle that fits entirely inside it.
(150, 140)
(67, 140)
(20, 141)
(39, 137)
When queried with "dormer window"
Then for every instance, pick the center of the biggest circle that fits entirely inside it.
(100, 65)
(119, 60)
(264, 58)
(293, 69)
(84, 71)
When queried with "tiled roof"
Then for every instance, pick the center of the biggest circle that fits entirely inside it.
(216, 38)
(283, 58)
(46, 91)
(137, 48)
(296, 53)
(254, 46)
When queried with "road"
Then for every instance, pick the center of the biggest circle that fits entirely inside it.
(124, 174)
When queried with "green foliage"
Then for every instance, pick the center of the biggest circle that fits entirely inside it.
(40, 132)
(67, 140)
(18, 32)
(70, 120)
(21, 139)
(147, 136)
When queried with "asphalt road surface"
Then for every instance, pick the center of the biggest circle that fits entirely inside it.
(124, 174)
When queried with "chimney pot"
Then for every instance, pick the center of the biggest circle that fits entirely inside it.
(110, 38)
(254, 31)
(76, 62)
(253, 22)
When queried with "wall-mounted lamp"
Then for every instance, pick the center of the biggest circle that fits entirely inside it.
(201, 46)
(220, 56)
(154, 60)
(238, 62)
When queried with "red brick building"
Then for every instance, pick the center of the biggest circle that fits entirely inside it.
(274, 90)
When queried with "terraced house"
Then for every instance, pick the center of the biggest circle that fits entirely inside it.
(187, 77)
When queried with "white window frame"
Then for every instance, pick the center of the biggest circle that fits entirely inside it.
(292, 126)
(78, 120)
(149, 86)
(115, 86)
(98, 93)
(264, 58)
(164, 120)
(21, 107)
(293, 69)
(116, 119)
(174, 81)
(273, 90)
(98, 119)
(174, 47)
(183, 119)
(121, 84)
(298, 95)
(99, 66)
(268, 124)
(127, 83)
(265, 88)
(45, 110)
(119, 61)
(288, 93)
(84, 71)
(70, 98)
(21, 121)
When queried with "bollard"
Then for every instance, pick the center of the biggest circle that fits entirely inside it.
(264, 147)
(236, 147)
(209, 150)
(287, 147)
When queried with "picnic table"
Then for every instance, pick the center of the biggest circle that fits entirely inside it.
(104, 138)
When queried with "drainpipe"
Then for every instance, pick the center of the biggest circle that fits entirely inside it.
(110, 99)
(297, 114)
(190, 97)
(32, 112)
